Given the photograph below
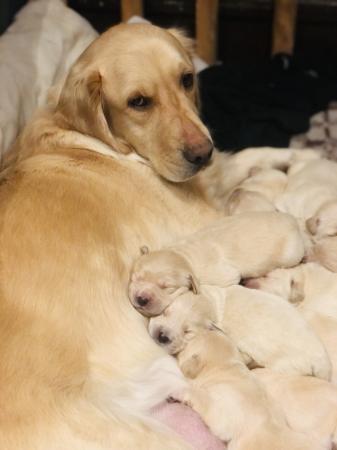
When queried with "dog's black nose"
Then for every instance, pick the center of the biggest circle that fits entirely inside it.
(142, 301)
(162, 338)
(199, 155)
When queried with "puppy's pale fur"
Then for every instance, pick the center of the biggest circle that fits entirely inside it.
(231, 400)
(314, 290)
(242, 200)
(227, 173)
(325, 253)
(268, 182)
(324, 222)
(310, 186)
(257, 192)
(234, 247)
(268, 331)
(308, 404)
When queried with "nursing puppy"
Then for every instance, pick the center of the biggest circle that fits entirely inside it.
(230, 399)
(308, 404)
(313, 289)
(249, 244)
(267, 331)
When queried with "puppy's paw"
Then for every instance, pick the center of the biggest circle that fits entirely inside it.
(180, 396)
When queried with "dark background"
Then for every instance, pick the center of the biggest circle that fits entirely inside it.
(244, 25)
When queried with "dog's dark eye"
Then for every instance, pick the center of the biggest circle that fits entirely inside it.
(139, 102)
(187, 80)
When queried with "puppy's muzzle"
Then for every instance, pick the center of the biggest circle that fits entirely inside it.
(141, 302)
(161, 337)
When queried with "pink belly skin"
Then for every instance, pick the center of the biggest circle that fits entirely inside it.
(187, 424)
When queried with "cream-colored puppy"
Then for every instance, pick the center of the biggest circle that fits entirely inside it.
(268, 331)
(225, 174)
(325, 253)
(257, 192)
(245, 245)
(241, 200)
(230, 399)
(314, 290)
(310, 186)
(268, 182)
(308, 404)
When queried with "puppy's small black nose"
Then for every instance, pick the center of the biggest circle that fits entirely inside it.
(162, 338)
(142, 301)
(199, 155)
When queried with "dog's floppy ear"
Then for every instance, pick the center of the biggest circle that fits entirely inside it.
(188, 45)
(186, 42)
(83, 107)
(194, 286)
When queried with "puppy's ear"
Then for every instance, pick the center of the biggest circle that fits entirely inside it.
(212, 327)
(254, 171)
(144, 250)
(186, 42)
(83, 107)
(193, 285)
(297, 293)
(192, 366)
(312, 224)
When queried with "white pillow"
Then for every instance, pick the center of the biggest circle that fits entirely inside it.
(35, 52)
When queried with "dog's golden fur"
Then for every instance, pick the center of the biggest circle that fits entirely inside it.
(72, 221)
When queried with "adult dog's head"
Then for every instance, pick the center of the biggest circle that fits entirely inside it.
(135, 89)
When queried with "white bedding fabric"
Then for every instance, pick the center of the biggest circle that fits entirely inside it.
(35, 52)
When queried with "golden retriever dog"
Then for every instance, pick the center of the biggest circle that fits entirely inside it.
(234, 247)
(267, 330)
(308, 404)
(325, 253)
(220, 382)
(107, 168)
(313, 289)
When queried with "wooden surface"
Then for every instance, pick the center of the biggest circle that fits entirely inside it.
(284, 26)
(131, 8)
(207, 29)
